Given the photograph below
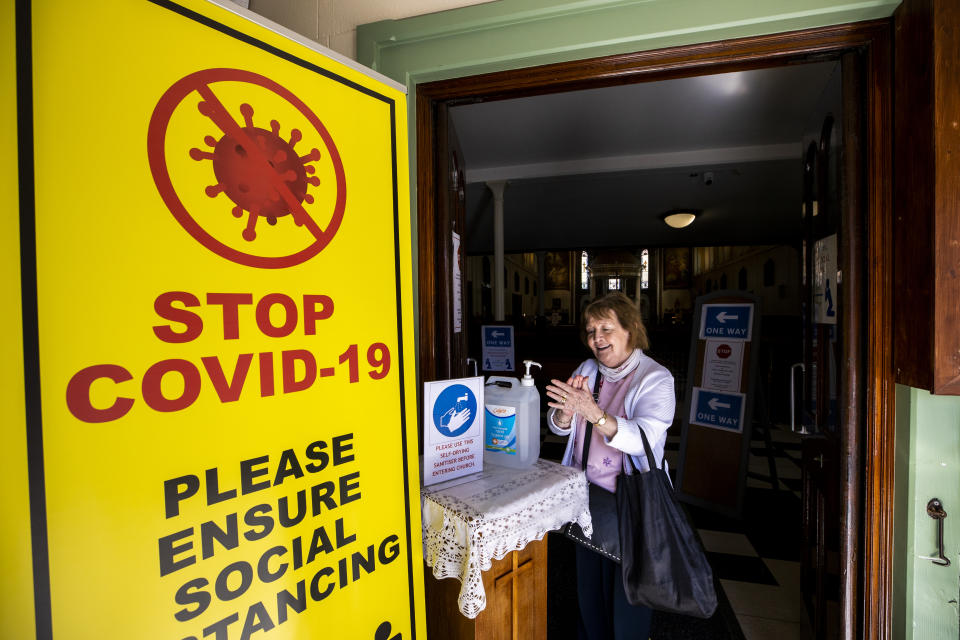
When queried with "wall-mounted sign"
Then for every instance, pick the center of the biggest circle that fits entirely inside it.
(825, 295)
(498, 348)
(224, 421)
(728, 321)
(453, 429)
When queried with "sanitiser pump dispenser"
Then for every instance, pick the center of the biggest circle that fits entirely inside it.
(512, 420)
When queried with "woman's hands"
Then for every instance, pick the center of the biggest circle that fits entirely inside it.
(574, 396)
(562, 399)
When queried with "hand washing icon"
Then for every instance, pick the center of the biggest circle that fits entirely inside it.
(454, 410)
(453, 419)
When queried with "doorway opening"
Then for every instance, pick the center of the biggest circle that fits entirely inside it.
(772, 255)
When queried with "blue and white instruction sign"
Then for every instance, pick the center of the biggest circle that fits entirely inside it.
(717, 409)
(453, 429)
(732, 321)
(825, 280)
(497, 348)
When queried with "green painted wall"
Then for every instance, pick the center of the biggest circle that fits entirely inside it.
(928, 461)
(520, 33)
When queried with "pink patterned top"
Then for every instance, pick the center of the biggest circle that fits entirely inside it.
(605, 461)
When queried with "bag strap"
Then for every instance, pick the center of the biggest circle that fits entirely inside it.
(588, 435)
(651, 460)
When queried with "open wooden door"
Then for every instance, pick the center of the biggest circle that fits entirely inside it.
(443, 318)
(815, 401)
(827, 393)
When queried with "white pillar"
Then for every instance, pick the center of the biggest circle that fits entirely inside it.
(541, 281)
(498, 285)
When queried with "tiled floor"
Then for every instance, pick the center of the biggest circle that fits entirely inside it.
(757, 558)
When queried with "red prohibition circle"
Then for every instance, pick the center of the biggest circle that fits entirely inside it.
(200, 82)
(724, 350)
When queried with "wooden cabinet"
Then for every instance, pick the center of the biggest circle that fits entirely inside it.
(926, 232)
(516, 589)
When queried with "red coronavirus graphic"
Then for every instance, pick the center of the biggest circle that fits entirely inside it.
(244, 181)
(258, 169)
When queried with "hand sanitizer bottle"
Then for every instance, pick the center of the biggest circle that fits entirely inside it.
(511, 415)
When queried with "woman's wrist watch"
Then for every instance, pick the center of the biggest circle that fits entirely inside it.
(602, 420)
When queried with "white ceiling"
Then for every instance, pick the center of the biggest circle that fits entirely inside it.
(596, 168)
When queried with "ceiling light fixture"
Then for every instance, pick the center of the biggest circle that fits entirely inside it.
(680, 218)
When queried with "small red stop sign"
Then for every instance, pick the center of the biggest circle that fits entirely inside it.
(724, 351)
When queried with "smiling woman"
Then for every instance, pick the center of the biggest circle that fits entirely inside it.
(622, 394)
(610, 342)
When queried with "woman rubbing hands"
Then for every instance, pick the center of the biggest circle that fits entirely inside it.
(634, 393)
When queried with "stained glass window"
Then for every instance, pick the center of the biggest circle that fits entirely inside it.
(645, 269)
(584, 273)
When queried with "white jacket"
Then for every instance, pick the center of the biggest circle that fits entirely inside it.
(650, 404)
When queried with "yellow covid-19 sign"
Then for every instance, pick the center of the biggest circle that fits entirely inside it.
(225, 405)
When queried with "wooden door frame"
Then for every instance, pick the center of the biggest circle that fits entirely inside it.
(867, 455)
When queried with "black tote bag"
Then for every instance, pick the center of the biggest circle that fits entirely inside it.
(664, 566)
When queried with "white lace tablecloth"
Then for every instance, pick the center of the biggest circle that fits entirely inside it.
(468, 524)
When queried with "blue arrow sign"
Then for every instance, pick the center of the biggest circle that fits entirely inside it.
(717, 409)
(732, 321)
(497, 336)
(497, 352)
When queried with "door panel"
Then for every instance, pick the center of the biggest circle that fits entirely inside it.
(824, 301)
(450, 346)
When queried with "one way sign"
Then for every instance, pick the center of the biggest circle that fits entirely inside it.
(497, 353)
(717, 409)
(732, 321)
